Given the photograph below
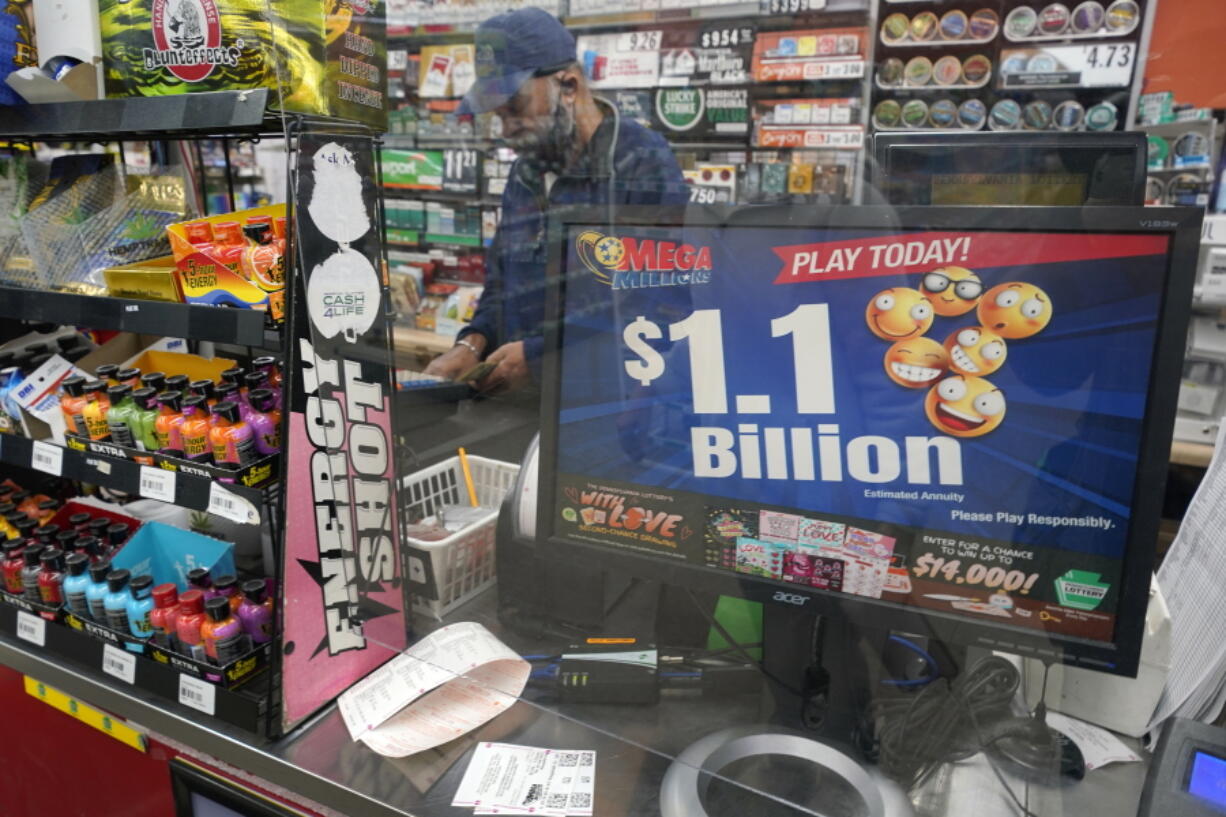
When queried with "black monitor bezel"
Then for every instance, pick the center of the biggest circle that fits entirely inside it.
(1119, 657)
(961, 141)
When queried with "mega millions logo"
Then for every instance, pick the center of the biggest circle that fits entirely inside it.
(635, 263)
(187, 40)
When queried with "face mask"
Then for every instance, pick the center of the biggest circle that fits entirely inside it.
(549, 146)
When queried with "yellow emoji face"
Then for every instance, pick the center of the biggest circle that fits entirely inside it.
(1015, 310)
(952, 291)
(965, 406)
(975, 350)
(916, 362)
(898, 314)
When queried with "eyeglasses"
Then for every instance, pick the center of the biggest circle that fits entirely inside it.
(965, 289)
(518, 102)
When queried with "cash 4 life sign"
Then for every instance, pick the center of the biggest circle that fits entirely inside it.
(942, 419)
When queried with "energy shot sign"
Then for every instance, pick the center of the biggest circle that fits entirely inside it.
(947, 420)
(344, 597)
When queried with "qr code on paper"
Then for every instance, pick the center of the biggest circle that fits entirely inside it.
(587, 758)
(557, 801)
(568, 759)
(581, 800)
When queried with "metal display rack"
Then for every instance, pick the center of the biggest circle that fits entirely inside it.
(254, 707)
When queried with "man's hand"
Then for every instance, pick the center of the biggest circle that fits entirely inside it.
(510, 372)
(453, 363)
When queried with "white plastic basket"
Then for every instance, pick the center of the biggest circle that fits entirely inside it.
(462, 565)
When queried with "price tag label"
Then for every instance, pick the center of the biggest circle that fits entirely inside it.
(157, 483)
(231, 506)
(834, 139)
(119, 663)
(844, 69)
(460, 170)
(792, 6)
(725, 37)
(639, 41)
(1102, 65)
(47, 458)
(31, 628)
(199, 695)
(702, 194)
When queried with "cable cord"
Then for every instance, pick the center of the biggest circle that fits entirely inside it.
(920, 732)
(944, 723)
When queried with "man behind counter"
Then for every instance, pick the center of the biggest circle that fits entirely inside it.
(572, 149)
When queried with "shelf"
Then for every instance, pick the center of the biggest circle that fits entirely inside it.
(948, 131)
(933, 87)
(709, 146)
(217, 323)
(678, 15)
(1177, 128)
(118, 474)
(1186, 169)
(212, 113)
(441, 195)
(437, 142)
(407, 341)
(1050, 38)
(62, 643)
(938, 43)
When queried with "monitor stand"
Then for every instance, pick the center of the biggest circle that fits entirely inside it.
(1033, 750)
(817, 677)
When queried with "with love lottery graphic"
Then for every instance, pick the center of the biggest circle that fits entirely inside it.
(971, 401)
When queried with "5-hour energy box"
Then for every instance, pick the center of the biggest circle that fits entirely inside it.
(328, 57)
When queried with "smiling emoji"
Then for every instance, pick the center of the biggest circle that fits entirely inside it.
(916, 362)
(899, 313)
(952, 291)
(965, 406)
(1015, 310)
(975, 350)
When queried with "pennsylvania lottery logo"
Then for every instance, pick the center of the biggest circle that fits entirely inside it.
(638, 263)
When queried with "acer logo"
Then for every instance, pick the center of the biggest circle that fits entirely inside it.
(790, 598)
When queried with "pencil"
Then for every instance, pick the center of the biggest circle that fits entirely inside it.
(468, 479)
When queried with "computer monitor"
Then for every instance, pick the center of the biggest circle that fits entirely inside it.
(952, 421)
(1032, 169)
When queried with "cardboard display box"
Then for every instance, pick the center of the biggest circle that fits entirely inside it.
(328, 58)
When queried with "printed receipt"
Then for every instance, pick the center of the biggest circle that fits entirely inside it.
(446, 685)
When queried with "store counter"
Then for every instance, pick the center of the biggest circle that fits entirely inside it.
(634, 746)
